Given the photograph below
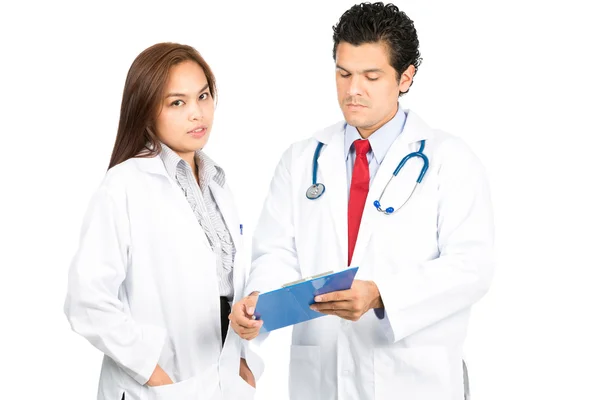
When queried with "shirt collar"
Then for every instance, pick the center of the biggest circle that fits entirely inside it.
(207, 168)
(381, 140)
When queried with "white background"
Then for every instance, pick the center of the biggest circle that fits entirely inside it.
(518, 80)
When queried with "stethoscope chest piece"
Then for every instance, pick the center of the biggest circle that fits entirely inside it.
(315, 191)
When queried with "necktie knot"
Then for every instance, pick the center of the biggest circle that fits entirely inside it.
(361, 147)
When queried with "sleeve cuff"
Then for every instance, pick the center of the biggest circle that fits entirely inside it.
(147, 351)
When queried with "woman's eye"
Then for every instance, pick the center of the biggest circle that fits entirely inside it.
(177, 103)
(204, 96)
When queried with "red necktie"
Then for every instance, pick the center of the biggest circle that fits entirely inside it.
(359, 188)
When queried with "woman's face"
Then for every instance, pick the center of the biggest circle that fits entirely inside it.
(186, 110)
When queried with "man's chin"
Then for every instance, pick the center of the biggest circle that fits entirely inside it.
(353, 121)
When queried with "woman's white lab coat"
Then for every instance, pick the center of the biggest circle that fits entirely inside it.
(143, 289)
(431, 260)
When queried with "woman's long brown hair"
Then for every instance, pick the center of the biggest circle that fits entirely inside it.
(142, 95)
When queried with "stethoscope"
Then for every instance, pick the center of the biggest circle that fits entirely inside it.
(316, 190)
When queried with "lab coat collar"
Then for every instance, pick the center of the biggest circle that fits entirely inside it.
(415, 129)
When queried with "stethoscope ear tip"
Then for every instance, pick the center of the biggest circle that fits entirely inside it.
(388, 210)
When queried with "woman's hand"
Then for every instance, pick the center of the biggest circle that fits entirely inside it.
(246, 374)
(159, 377)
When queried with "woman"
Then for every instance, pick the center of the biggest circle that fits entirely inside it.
(152, 281)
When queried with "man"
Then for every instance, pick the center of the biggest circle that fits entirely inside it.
(424, 253)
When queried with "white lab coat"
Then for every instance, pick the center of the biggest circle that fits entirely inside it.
(143, 289)
(431, 260)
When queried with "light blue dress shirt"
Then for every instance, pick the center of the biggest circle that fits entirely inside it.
(381, 140)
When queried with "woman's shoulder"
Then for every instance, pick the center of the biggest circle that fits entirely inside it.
(131, 171)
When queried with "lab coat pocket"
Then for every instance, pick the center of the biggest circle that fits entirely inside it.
(418, 373)
(305, 372)
(184, 390)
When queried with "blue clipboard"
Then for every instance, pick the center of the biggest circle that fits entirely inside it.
(290, 305)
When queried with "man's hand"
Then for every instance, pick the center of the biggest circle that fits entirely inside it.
(241, 317)
(159, 377)
(246, 374)
(350, 304)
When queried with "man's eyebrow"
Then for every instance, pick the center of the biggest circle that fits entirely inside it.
(366, 71)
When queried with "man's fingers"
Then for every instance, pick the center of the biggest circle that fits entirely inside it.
(327, 308)
(341, 295)
(349, 315)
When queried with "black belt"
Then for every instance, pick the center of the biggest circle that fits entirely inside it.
(225, 311)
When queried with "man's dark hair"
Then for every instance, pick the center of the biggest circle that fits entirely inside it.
(371, 23)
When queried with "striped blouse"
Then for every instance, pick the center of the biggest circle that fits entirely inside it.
(205, 208)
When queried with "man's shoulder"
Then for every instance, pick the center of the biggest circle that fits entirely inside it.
(310, 143)
(325, 134)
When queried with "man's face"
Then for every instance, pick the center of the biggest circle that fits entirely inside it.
(367, 85)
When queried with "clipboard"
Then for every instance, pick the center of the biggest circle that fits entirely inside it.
(290, 304)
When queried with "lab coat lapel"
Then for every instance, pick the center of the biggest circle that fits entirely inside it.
(224, 199)
(414, 131)
(155, 167)
(332, 168)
